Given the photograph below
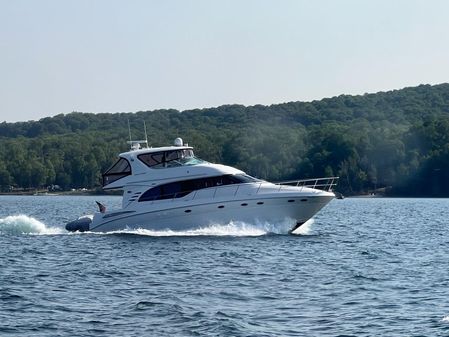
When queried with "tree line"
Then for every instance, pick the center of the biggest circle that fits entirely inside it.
(395, 142)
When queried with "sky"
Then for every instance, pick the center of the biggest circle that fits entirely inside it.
(127, 56)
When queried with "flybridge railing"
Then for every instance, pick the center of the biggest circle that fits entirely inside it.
(324, 184)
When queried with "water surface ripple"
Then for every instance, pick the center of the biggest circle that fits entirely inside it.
(365, 267)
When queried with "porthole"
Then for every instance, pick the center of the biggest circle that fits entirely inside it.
(291, 200)
(188, 210)
(303, 200)
(221, 206)
(244, 204)
(260, 203)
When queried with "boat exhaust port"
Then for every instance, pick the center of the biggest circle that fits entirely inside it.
(79, 225)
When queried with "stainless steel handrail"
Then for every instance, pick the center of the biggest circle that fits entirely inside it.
(324, 184)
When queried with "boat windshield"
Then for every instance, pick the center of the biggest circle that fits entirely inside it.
(120, 169)
(172, 158)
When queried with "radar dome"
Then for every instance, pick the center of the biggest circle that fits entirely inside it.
(178, 142)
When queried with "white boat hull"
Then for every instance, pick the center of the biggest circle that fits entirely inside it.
(191, 215)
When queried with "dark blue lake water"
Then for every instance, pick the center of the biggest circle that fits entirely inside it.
(363, 267)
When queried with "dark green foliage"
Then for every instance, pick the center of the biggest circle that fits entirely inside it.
(397, 141)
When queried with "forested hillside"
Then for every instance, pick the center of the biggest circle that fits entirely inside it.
(397, 139)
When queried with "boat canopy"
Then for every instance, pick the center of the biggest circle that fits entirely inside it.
(171, 158)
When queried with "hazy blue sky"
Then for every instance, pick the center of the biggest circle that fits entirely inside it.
(112, 56)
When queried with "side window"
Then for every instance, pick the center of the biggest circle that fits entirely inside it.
(188, 186)
(198, 184)
(171, 190)
(243, 178)
(172, 155)
(152, 159)
(226, 180)
(152, 194)
(121, 166)
(146, 159)
(167, 191)
(157, 159)
(119, 170)
(182, 188)
(172, 158)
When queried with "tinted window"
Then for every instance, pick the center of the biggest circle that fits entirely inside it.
(173, 155)
(180, 189)
(152, 194)
(171, 158)
(119, 170)
(121, 166)
(147, 159)
(171, 190)
(152, 159)
(243, 178)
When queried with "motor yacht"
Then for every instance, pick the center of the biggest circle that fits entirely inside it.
(169, 188)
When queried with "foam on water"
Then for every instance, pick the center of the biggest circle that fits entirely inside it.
(23, 224)
(236, 228)
(445, 319)
(306, 228)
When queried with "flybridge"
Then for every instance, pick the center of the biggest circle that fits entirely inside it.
(153, 158)
(143, 144)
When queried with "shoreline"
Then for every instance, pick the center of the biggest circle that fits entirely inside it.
(60, 193)
(45, 193)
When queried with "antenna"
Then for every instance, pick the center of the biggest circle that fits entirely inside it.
(145, 128)
(129, 130)
(135, 144)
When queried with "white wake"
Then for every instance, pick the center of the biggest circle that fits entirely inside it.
(236, 228)
(23, 224)
(306, 228)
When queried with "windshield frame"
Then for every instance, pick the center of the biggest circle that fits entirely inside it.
(116, 171)
(170, 158)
